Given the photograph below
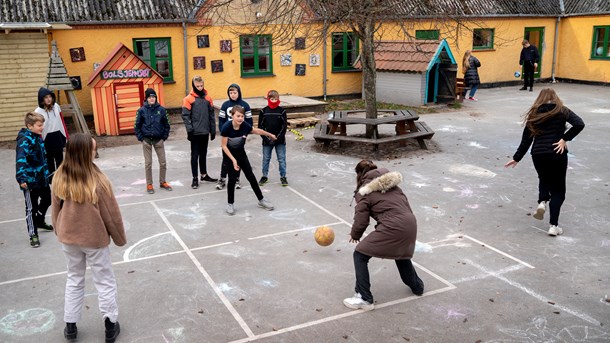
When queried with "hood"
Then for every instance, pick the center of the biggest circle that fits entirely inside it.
(24, 133)
(380, 180)
(42, 92)
(546, 108)
(201, 93)
(238, 92)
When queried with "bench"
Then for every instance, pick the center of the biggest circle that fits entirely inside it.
(460, 89)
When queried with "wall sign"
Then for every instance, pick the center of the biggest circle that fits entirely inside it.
(299, 69)
(203, 41)
(199, 62)
(225, 46)
(125, 74)
(217, 66)
(77, 54)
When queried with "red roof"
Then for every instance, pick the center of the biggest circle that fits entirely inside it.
(404, 56)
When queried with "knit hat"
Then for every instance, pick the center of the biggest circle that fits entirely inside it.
(150, 92)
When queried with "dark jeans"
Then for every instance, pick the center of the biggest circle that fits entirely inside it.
(199, 151)
(223, 171)
(363, 285)
(37, 202)
(244, 165)
(528, 74)
(54, 159)
(552, 169)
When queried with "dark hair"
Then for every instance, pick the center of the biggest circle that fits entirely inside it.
(362, 168)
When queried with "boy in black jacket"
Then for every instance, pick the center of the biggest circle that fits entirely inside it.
(152, 129)
(273, 120)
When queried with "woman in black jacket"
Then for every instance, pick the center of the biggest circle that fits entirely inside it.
(545, 126)
(470, 68)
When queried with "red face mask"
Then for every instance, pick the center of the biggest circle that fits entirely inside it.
(272, 105)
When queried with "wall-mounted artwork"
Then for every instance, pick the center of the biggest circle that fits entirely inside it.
(76, 82)
(203, 41)
(299, 43)
(199, 62)
(96, 65)
(285, 59)
(77, 54)
(299, 69)
(314, 60)
(216, 66)
(225, 46)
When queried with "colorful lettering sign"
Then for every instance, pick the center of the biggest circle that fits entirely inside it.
(125, 74)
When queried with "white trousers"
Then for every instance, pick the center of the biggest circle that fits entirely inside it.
(100, 263)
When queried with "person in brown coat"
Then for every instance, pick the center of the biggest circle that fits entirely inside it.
(378, 196)
(85, 215)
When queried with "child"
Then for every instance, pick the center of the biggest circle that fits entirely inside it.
(200, 122)
(54, 133)
(234, 157)
(545, 127)
(86, 214)
(234, 93)
(152, 129)
(378, 195)
(470, 68)
(32, 175)
(273, 119)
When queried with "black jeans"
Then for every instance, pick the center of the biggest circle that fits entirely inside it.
(199, 151)
(363, 285)
(528, 74)
(551, 169)
(223, 171)
(54, 159)
(244, 165)
(37, 202)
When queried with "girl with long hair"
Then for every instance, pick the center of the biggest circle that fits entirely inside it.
(545, 126)
(470, 68)
(85, 215)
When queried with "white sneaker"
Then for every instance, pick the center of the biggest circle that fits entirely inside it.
(356, 303)
(539, 214)
(555, 230)
(230, 209)
(263, 203)
(237, 184)
(220, 184)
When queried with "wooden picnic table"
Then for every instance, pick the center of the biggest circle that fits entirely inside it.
(405, 121)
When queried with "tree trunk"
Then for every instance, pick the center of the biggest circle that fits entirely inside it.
(369, 72)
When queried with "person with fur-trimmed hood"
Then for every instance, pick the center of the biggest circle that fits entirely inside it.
(379, 196)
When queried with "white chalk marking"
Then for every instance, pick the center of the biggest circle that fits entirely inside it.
(476, 145)
(128, 251)
(205, 274)
(601, 110)
(319, 206)
(499, 252)
(485, 275)
(213, 246)
(291, 231)
(538, 296)
(470, 170)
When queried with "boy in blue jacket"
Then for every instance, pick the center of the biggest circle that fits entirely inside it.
(152, 129)
(224, 116)
(32, 175)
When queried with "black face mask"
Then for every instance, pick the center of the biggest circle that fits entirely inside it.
(201, 93)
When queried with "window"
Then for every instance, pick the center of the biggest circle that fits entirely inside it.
(345, 51)
(256, 56)
(483, 39)
(427, 34)
(156, 52)
(601, 50)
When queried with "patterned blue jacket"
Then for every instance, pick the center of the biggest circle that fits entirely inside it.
(31, 162)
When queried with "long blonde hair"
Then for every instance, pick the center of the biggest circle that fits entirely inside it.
(78, 178)
(466, 61)
(532, 117)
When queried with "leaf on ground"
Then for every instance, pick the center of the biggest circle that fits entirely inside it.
(490, 299)
(550, 302)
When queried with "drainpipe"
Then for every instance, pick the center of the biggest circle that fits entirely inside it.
(562, 8)
(186, 61)
(324, 32)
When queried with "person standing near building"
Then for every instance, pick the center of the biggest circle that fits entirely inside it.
(529, 61)
(54, 133)
(470, 68)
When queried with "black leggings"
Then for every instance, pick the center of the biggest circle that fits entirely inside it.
(199, 152)
(363, 285)
(244, 165)
(54, 159)
(552, 170)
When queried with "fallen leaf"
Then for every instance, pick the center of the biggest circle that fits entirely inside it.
(406, 339)
(491, 300)
(131, 271)
(434, 206)
(344, 336)
(200, 311)
(274, 329)
(304, 251)
(550, 302)
(478, 341)
(556, 312)
(86, 307)
(318, 310)
(465, 320)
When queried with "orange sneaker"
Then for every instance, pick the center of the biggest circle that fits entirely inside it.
(150, 189)
(166, 186)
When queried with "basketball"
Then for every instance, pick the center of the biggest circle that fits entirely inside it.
(517, 74)
(324, 236)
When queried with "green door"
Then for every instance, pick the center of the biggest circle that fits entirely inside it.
(535, 35)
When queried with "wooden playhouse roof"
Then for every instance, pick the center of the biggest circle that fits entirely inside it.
(121, 57)
(401, 56)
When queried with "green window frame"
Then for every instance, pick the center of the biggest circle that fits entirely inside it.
(483, 39)
(345, 49)
(600, 49)
(156, 52)
(427, 34)
(256, 55)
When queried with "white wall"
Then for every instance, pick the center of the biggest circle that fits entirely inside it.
(401, 88)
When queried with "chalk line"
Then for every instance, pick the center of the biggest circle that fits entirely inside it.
(291, 231)
(128, 251)
(319, 206)
(538, 296)
(205, 274)
(499, 251)
(502, 271)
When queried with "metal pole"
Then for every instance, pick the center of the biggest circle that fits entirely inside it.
(324, 32)
(556, 40)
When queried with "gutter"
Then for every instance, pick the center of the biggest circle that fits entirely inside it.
(324, 61)
(128, 22)
(186, 62)
(556, 40)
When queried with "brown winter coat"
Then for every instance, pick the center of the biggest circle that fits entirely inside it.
(88, 225)
(396, 230)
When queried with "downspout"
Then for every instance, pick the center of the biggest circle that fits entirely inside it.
(562, 8)
(186, 61)
(324, 32)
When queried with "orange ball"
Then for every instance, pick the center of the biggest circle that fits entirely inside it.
(324, 236)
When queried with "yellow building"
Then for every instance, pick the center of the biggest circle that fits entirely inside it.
(179, 40)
